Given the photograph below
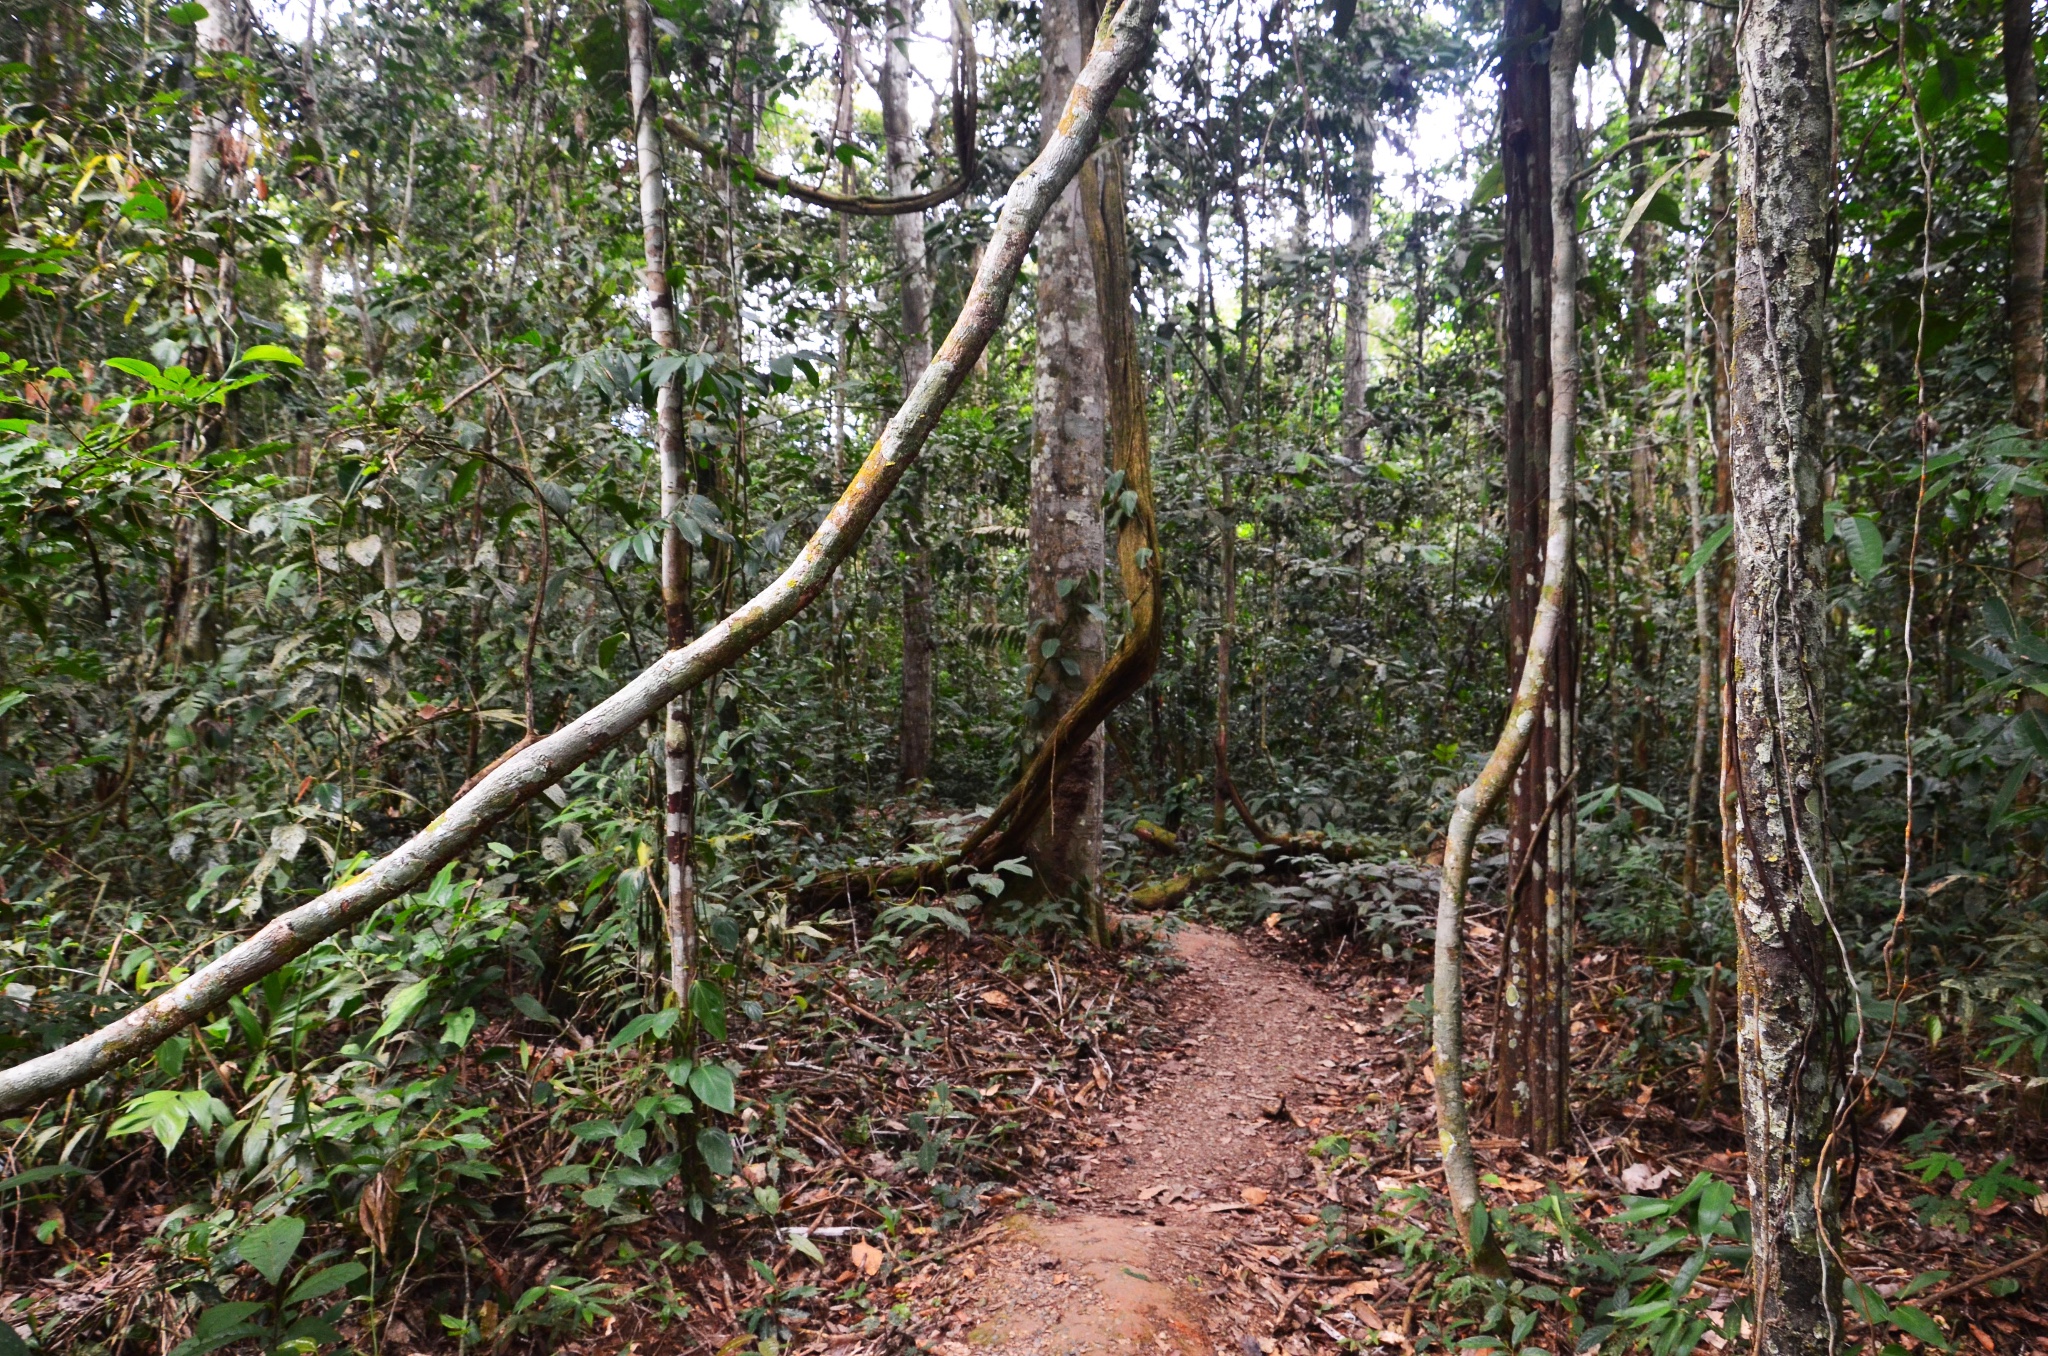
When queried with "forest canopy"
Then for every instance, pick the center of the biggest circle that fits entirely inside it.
(660, 655)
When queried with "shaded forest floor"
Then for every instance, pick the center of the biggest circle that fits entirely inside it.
(1216, 1141)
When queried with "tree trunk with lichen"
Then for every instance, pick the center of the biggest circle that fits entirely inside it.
(1790, 993)
(1070, 398)
(914, 319)
(1533, 1060)
(679, 755)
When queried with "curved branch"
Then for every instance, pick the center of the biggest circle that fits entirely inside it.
(966, 107)
(519, 779)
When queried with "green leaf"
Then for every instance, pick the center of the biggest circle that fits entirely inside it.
(269, 353)
(189, 13)
(1864, 543)
(715, 1147)
(1915, 1323)
(10, 1341)
(269, 1247)
(42, 1174)
(143, 205)
(660, 1023)
(529, 1006)
(326, 1281)
(399, 1005)
(707, 1005)
(1702, 557)
(456, 1026)
(1637, 22)
(713, 1085)
(567, 1174)
(1645, 204)
(802, 1243)
(1695, 119)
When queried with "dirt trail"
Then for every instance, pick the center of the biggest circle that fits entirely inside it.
(1132, 1260)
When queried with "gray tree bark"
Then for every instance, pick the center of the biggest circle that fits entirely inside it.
(1790, 990)
(679, 760)
(1070, 399)
(914, 725)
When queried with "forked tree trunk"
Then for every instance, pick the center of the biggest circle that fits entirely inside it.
(679, 761)
(914, 726)
(2029, 542)
(1539, 673)
(521, 777)
(1789, 986)
(1530, 1100)
(1069, 410)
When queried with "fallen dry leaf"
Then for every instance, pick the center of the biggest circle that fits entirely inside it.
(1255, 1195)
(867, 1257)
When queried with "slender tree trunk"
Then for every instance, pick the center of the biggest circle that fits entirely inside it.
(679, 761)
(1789, 986)
(1226, 629)
(195, 628)
(2023, 291)
(1069, 403)
(1358, 304)
(1530, 1102)
(914, 728)
(1542, 665)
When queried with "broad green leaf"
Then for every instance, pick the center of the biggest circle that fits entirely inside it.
(1864, 543)
(713, 1085)
(326, 1281)
(707, 1005)
(1916, 1323)
(269, 1247)
(660, 1023)
(1715, 540)
(400, 1005)
(270, 353)
(715, 1147)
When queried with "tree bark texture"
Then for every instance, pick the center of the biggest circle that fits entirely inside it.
(1790, 990)
(2029, 542)
(1070, 399)
(1541, 664)
(1530, 1101)
(195, 628)
(1358, 304)
(521, 777)
(914, 724)
(679, 761)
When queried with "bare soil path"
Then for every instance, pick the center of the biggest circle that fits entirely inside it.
(1133, 1259)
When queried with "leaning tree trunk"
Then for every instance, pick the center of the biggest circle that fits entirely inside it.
(679, 760)
(521, 776)
(1069, 402)
(1789, 983)
(914, 727)
(1530, 1101)
(2029, 545)
(1541, 671)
